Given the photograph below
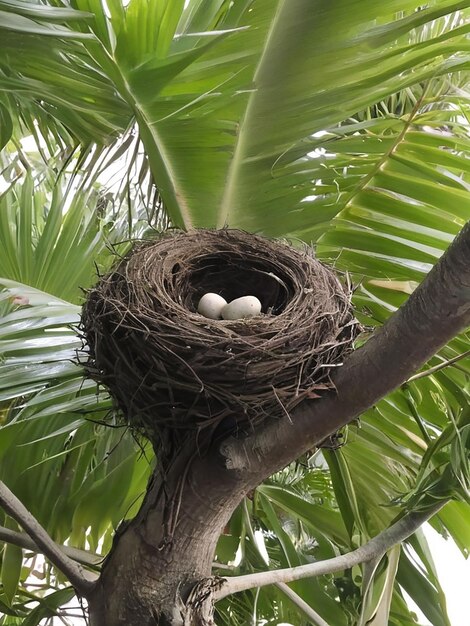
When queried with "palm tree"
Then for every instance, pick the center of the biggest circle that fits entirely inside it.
(336, 123)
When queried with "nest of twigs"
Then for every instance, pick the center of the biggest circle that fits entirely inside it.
(172, 370)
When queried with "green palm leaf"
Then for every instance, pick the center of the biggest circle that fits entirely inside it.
(226, 113)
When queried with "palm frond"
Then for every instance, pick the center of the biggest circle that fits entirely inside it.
(228, 99)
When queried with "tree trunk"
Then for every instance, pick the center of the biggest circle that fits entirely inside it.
(159, 556)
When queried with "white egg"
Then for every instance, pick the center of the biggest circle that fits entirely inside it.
(241, 308)
(211, 305)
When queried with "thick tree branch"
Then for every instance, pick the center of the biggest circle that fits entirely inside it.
(373, 549)
(82, 581)
(436, 311)
(24, 541)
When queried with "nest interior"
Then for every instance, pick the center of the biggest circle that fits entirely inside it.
(171, 370)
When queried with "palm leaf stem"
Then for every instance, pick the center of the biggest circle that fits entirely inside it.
(175, 200)
(365, 180)
(239, 153)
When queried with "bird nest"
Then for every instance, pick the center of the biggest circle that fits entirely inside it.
(171, 370)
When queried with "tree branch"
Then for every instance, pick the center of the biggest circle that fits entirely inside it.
(302, 605)
(373, 549)
(24, 541)
(439, 366)
(81, 580)
(433, 314)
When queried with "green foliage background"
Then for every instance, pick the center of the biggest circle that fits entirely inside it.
(343, 124)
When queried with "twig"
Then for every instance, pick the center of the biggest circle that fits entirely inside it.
(24, 541)
(81, 580)
(375, 548)
(438, 367)
(302, 605)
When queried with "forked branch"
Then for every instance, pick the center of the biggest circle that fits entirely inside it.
(81, 580)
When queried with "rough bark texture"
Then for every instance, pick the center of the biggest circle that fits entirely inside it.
(160, 555)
